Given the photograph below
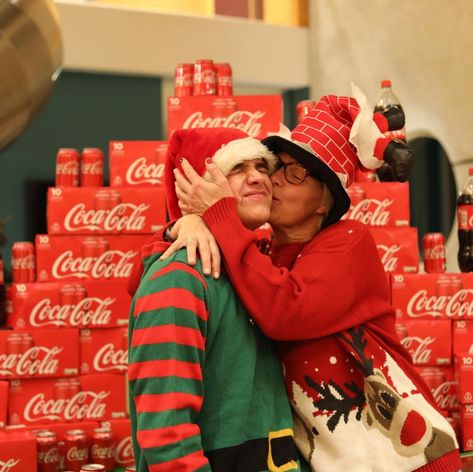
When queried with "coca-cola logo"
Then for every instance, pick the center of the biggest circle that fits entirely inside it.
(122, 217)
(27, 262)
(38, 360)
(140, 172)
(436, 252)
(82, 405)
(445, 397)
(99, 452)
(67, 168)
(388, 256)
(51, 456)
(207, 77)
(124, 452)
(107, 358)
(92, 168)
(185, 80)
(247, 121)
(418, 348)
(7, 465)
(457, 305)
(90, 311)
(111, 264)
(371, 212)
(75, 453)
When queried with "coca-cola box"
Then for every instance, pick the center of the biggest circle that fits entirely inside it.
(39, 353)
(103, 210)
(379, 203)
(397, 248)
(122, 432)
(86, 257)
(464, 377)
(463, 336)
(85, 304)
(92, 397)
(442, 384)
(18, 452)
(104, 350)
(467, 427)
(137, 163)
(256, 115)
(432, 296)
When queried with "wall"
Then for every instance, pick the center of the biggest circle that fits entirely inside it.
(423, 46)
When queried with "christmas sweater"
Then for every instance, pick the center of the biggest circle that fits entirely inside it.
(360, 404)
(206, 386)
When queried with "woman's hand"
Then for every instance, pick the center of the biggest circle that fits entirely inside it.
(197, 194)
(192, 232)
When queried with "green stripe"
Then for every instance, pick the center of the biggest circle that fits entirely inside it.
(165, 385)
(182, 448)
(169, 315)
(166, 351)
(171, 417)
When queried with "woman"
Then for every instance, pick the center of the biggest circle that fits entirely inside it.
(359, 403)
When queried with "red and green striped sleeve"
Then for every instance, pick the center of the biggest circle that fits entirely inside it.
(167, 350)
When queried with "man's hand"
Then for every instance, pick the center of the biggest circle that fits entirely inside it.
(191, 231)
(197, 194)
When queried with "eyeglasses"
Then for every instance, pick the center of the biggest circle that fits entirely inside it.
(294, 173)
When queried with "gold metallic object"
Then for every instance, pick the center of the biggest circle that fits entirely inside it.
(30, 62)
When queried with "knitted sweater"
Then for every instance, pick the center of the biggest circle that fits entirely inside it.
(206, 387)
(360, 404)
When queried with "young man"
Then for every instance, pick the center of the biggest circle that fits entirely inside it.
(206, 386)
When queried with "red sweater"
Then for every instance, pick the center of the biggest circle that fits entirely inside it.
(360, 403)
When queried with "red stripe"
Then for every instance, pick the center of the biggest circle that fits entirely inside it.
(153, 403)
(169, 434)
(169, 333)
(179, 298)
(192, 461)
(181, 267)
(164, 368)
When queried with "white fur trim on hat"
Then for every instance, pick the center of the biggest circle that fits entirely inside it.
(364, 131)
(239, 150)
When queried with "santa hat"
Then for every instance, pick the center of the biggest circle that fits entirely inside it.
(227, 147)
(338, 136)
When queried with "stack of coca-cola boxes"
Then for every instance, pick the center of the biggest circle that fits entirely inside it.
(64, 360)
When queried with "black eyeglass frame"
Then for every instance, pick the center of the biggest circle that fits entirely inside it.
(287, 176)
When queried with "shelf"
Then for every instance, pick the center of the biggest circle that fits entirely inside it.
(114, 39)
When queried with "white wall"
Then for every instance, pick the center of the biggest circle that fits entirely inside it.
(423, 46)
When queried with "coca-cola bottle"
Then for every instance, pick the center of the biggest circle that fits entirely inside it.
(389, 104)
(465, 225)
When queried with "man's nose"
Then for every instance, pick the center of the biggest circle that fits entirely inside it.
(255, 174)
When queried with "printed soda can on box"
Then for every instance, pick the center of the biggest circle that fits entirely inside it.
(67, 295)
(80, 292)
(23, 262)
(77, 452)
(102, 450)
(90, 248)
(15, 344)
(102, 199)
(205, 77)
(62, 389)
(433, 246)
(47, 450)
(184, 80)
(224, 79)
(303, 107)
(91, 169)
(433, 377)
(27, 341)
(74, 387)
(67, 167)
(401, 331)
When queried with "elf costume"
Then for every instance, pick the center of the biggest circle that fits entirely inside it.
(206, 386)
(360, 404)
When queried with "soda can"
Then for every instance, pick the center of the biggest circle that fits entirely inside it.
(224, 79)
(433, 246)
(184, 80)
(102, 450)
(48, 452)
(67, 167)
(77, 452)
(23, 262)
(303, 107)
(93, 468)
(205, 77)
(91, 170)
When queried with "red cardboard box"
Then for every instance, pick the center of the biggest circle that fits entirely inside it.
(86, 304)
(86, 210)
(397, 248)
(93, 397)
(104, 350)
(18, 452)
(379, 203)
(256, 115)
(464, 377)
(447, 295)
(467, 427)
(39, 353)
(443, 386)
(3, 403)
(463, 336)
(86, 257)
(122, 431)
(137, 163)
(428, 342)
